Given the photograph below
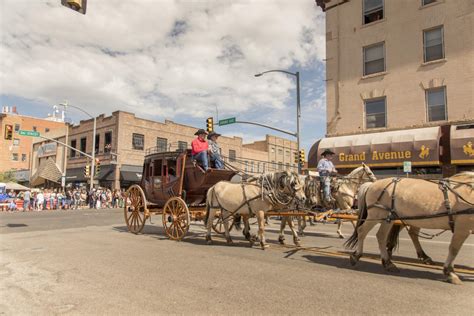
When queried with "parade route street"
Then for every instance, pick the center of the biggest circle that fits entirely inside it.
(85, 262)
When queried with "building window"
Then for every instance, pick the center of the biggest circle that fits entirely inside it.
(436, 104)
(34, 129)
(23, 157)
(182, 146)
(374, 59)
(72, 153)
(83, 145)
(287, 154)
(280, 151)
(232, 155)
(17, 128)
(433, 44)
(375, 113)
(97, 143)
(46, 130)
(161, 144)
(425, 2)
(272, 149)
(16, 142)
(108, 142)
(138, 141)
(373, 11)
(280, 166)
(15, 157)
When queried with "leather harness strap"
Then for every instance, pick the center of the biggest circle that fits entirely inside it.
(444, 185)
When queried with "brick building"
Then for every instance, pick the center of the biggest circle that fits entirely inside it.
(122, 140)
(399, 78)
(15, 154)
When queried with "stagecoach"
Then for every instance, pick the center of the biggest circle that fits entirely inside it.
(173, 186)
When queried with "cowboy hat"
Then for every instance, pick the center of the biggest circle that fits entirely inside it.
(327, 152)
(213, 134)
(200, 131)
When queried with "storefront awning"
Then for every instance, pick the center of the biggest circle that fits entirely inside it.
(47, 170)
(462, 144)
(386, 149)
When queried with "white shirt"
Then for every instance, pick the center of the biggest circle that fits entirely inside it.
(325, 165)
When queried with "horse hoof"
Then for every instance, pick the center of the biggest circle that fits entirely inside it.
(209, 242)
(427, 261)
(297, 244)
(264, 246)
(230, 242)
(353, 259)
(390, 267)
(454, 279)
(341, 236)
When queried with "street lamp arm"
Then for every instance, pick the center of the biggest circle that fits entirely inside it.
(76, 107)
(276, 70)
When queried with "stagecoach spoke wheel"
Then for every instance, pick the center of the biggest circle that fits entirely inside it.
(218, 224)
(176, 218)
(135, 210)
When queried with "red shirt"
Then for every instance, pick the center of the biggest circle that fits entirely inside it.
(198, 145)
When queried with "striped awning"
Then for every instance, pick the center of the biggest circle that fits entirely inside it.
(47, 170)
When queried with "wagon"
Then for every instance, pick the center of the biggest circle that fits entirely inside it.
(172, 186)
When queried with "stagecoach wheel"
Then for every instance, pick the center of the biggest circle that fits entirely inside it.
(176, 218)
(218, 224)
(135, 210)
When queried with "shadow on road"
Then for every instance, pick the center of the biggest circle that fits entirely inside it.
(376, 268)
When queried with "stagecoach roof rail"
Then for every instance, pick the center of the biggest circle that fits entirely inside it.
(158, 149)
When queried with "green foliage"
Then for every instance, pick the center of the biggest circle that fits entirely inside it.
(7, 177)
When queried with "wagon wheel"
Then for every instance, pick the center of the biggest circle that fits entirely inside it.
(218, 224)
(176, 218)
(135, 210)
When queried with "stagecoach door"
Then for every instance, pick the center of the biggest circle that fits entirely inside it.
(170, 177)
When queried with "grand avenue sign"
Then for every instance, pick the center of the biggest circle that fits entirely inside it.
(388, 149)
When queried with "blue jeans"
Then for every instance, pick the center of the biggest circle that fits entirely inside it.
(326, 182)
(218, 163)
(201, 157)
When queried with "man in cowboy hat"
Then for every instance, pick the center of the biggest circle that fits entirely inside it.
(325, 169)
(214, 150)
(199, 148)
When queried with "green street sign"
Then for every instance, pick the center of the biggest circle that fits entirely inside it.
(227, 121)
(28, 133)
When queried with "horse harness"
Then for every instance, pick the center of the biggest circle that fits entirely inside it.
(444, 186)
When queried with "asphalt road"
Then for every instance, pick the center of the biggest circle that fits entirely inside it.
(84, 262)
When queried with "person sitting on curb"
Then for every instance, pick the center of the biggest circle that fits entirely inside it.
(214, 150)
(200, 148)
(326, 169)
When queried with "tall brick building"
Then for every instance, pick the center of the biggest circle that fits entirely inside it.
(399, 78)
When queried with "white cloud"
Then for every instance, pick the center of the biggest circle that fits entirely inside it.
(158, 57)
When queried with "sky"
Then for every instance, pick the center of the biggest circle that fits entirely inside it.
(163, 59)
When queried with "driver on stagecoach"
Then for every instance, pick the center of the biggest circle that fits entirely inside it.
(200, 148)
(326, 169)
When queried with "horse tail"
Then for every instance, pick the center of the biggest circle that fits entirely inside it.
(210, 194)
(362, 206)
(392, 241)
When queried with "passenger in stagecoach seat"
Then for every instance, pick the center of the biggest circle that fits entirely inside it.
(199, 149)
(326, 169)
(214, 150)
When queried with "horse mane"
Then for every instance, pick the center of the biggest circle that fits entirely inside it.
(355, 171)
(465, 175)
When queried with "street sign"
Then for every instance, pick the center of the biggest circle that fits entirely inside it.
(407, 166)
(227, 121)
(28, 133)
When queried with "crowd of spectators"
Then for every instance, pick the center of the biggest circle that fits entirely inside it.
(57, 199)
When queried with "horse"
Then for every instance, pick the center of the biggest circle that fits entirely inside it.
(346, 192)
(450, 206)
(270, 191)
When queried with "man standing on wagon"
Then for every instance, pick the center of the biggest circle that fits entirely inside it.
(326, 169)
(199, 148)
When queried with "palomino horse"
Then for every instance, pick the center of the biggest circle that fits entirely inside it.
(444, 204)
(270, 191)
(346, 192)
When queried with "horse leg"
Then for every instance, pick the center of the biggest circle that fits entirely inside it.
(362, 232)
(296, 239)
(459, 236)
(261, 229)
(301, 225)
(413, 233)
(339, 229)
(382, 237)
(281, 236)
(211, 213)
(226, 219)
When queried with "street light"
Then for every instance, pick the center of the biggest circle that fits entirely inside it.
(93, 140)
(298, 107)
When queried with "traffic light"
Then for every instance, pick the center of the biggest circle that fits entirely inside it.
(210, 124)
(76, 5)
(87, 171)
(296, 157)
(302, 157)
(8, 132)
(97, 167)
